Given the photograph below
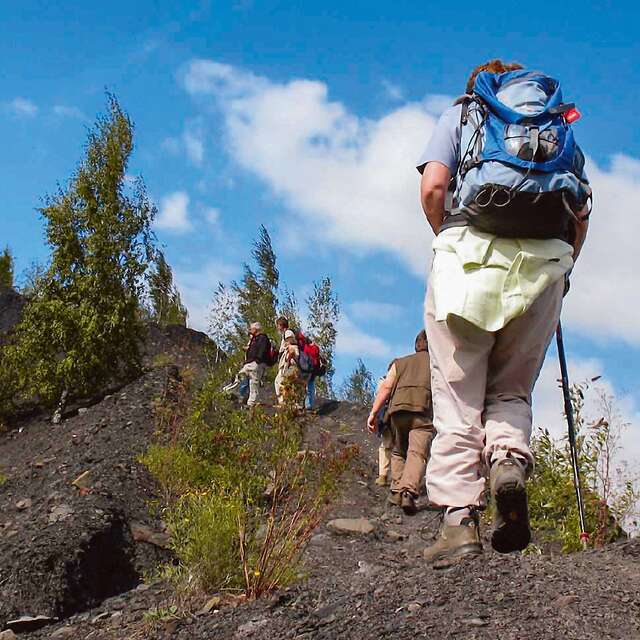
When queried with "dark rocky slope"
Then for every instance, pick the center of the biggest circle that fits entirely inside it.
(73, 554)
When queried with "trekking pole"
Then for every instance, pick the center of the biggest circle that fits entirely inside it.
(568, 410)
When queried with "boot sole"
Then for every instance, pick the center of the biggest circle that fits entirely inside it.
(514, 534)
(410, 510)
(471, 549)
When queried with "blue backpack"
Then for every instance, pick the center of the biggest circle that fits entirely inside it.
(520, 172)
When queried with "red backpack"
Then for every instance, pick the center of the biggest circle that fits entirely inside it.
(272, 354)
(313, 351)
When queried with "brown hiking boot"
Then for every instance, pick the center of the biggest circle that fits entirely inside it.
(394, 498)
(408, 503)
(511, 530)
(455, 542)
(382, 481)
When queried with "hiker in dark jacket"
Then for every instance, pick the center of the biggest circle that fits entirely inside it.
(407, 387)
(255, 361)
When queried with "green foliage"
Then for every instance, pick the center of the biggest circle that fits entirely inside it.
(6, 269)
(223, 315)
(359, 387)
(324, 311)
(166, 305)
(3, 478)
(81, 326)
(253, 299)
(552, 498)
(289, 308)
(257, 292)
(33, 279)
(241, 498)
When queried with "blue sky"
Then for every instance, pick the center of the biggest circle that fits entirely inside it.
(307, 117)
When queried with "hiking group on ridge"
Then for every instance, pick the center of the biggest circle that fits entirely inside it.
(505, 193)
(298, 360)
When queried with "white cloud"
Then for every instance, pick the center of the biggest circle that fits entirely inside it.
(437, 103)
(68, 112)
(353, 181)
(174, 213)
(212, 216)
(190, 142)
(603, 300)
(193, 145)
(393, 91)
(379, 311)
(353, 341)
(22, 107)
(197, 287)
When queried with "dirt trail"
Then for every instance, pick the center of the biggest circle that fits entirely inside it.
(355, 586)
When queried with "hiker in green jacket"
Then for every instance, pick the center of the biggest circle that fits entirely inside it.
(504, 190)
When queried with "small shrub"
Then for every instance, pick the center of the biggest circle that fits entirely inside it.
(241, 498)
(610, 495)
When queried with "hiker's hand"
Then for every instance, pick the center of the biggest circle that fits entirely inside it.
(371, 422)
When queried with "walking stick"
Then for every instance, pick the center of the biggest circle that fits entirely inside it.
(568, 410)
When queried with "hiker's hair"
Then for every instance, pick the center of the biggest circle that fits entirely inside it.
(493, 66)
(421, 341)
(256, 325)
(283, 322)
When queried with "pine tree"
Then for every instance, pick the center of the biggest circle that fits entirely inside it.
(257, 292)
(82, 329)
(359, 387)
(166, 305)
(6, 270)
(324, 311)
(289, 308)
(224, 318)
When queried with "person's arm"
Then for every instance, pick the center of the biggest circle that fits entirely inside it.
(433, 191)
(381, 397)
(580, 228)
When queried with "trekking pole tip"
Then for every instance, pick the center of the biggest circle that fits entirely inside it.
(584, 539)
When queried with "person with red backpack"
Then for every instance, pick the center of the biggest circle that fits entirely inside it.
(310, 359)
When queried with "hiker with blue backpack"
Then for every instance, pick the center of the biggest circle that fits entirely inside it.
(505, 192)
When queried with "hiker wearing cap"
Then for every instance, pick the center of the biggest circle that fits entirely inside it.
(504, 190)
(287, 360)
(255, 361)
(407, 389)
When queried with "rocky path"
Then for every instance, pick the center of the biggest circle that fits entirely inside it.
(375, 584)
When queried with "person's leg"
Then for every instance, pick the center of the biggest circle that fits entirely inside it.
(278, 386)
(384, 458)
(261, 368)
(420, 436)
(311, 392)
(254, 382)
(514, 367)
(459, 353)
(400, 425)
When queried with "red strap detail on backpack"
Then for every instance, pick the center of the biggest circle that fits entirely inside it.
(572, 115)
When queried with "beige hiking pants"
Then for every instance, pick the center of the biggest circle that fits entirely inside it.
(481, 386)
(254, 372)
(384, 454)
(412, 437)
